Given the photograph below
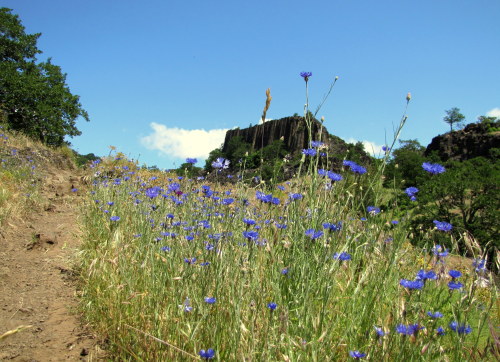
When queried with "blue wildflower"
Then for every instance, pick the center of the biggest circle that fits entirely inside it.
(207, 354)
(443, 225)
(411, 284)
(342, 256)
(334, 176)
(373, 210)
(192, 161)
(272, 306)
(440, 331)
(220, 163)
(210, 300)
(455, 274)
(455, 285)
(251, 235)
(357, 354)
(114, 218)
(408, 330)
(439, 251)
(314, 234)
(435, 315)
(316, 144)
(309, 152)
(479, 265)
(433, 168)
(423, 275)
(460, 328)
(306, 75)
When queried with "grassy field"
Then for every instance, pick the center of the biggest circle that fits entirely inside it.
(178, 269)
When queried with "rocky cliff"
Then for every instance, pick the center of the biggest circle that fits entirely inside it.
(292, 130)
(476, 139)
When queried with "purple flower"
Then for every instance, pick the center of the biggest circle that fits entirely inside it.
(433, 168)
(322, 172)
(309, 152)
(440, 331)
(411, 191)
(423, 275)
(334, 176)
(190, 260)
(306, 75)
(313, 234)
(284, 271)
(317, 144)
(342, 256)
(114, 218)
(208, 354)
(220, 163)
(455, 274)
(192, 161)
(251, 235)
(479, 265)
(408, 330)
(373, 210)
(272, 306)
(411, 284)
(443, 225)
(460, 328)
(435, 315)
(380, 332)
(439, 251)
(210, 300)
(455, 285)
(248, 221)
(357, 354)
(333, 226)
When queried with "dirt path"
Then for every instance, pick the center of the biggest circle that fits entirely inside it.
(37, 286)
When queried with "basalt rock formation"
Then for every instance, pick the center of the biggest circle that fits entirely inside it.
(294, 133)
(475, 140)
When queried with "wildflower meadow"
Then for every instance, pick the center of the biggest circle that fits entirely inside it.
(309, 269)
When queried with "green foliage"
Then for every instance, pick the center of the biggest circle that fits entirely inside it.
(466, 195)
(34, 96)
(82, 160)
(188, 170)
(454, 117)
(405, 166)
(492, 123)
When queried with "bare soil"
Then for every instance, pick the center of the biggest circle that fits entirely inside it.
(37, 284)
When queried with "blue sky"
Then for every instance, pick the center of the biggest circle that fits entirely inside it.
(163, 80)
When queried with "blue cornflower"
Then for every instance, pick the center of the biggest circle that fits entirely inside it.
(479, 265)
(333, 226)
(309, 152)
(314, 234)
(248, 221)
(440, 331)
(443, 225)
(280, 226)
(423, 275)
(411, 191)
(210, 300)
(460, 328)
(316, 144)
(251, 235)
(272, 306)
(227, 201)
(454, 274)
(408, 330)
(322, 172)
(373, 210)
(433, 168)
(439, 251)
(284, 271)
(220, 163)
(208, 354)
(412, 284)
(455, 285)
(342, 256)
(280, 187)
(295, 196)
(334, 176)
(386, 149)
(192, 161)
(306, 75)
(190, 260)
(114, 218)
(357, 354)
(380, 332)
(435, 315)
(165, 248)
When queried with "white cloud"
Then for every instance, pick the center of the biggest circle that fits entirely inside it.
(183, 143)
(370, 147)
(495, 112)
(267, 120)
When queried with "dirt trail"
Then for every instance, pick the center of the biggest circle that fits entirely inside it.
(37, 286)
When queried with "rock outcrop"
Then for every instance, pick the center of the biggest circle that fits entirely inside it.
(293, 131)
(476, 139)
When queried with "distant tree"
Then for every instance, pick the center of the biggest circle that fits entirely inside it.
(454, 117)
(34, 96)
(405, 166)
